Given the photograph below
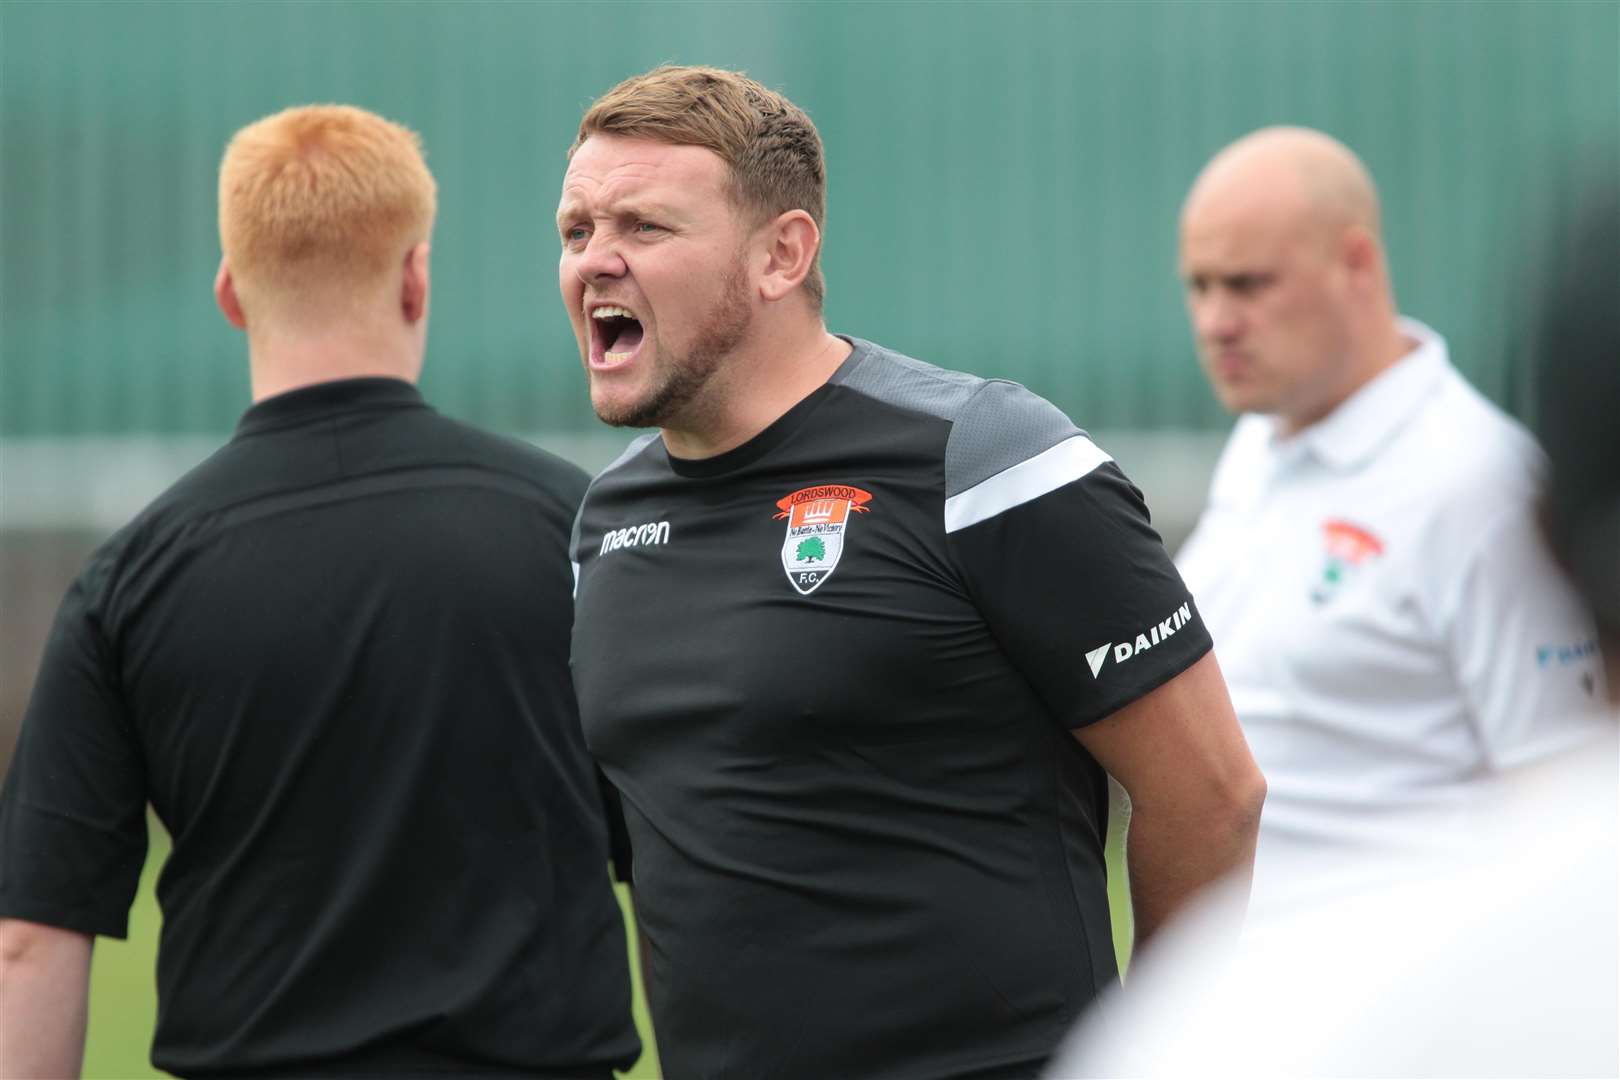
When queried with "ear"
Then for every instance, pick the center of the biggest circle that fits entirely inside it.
(413, 288)
(225, 297)
(1360, 254)
(792, 241)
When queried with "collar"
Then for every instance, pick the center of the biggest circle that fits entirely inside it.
(1368, 420)
(326, 399)
(778, 431)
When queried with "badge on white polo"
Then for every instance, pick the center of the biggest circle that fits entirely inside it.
(1347, 549)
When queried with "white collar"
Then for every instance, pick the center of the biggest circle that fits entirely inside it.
(1366, 421)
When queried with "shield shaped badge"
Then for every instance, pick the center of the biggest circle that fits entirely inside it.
(818, 519)
(1347, 548)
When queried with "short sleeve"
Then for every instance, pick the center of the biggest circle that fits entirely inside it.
(73, 809)
(1058, 552)
(1524, 648)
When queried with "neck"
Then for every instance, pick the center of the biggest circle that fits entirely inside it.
(1382, 350)
(1374, 354)
(283, 360)
(771, 375)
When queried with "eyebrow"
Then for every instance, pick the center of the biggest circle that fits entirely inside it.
(627, 209)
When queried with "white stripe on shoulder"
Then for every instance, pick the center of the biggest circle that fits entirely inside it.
(575, 567)
(1047, 471)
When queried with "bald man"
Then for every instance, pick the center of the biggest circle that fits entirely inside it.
(1392, 632)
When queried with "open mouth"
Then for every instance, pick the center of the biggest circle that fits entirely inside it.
(615, 335)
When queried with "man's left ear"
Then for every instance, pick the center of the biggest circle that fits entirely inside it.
(1361, 254)
(793, 241)
(413, 289)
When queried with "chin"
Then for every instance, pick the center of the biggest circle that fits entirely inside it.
(617, 410)
(1236, 400)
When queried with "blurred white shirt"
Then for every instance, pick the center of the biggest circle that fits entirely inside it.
(1499, 958)
(1387, 620)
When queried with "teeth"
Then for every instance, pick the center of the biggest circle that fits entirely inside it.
(615, 357)
(610, 312)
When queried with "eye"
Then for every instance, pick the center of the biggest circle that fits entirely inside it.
(647, 228)
(573, 234)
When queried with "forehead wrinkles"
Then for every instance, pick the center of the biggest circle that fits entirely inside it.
(602, 188)
(667, 180)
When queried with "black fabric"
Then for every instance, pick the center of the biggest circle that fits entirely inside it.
(333, 658)
(866, 842)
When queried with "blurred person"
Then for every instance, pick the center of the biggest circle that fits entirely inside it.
(856, 637)
(1497, 957)
(333, 658)
(1391, 627)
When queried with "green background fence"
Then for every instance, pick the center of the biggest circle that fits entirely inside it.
(1005, 178)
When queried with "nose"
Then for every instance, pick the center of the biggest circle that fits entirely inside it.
(1217, 316)
(599, 259)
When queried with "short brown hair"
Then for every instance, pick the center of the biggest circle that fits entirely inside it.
(319, 201)
(770, 144)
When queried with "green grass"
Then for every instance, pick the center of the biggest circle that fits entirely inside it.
(123, 1000)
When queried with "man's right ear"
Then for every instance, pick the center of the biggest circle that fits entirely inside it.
(225, 297)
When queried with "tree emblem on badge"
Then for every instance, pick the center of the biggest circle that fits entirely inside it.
(811, 550)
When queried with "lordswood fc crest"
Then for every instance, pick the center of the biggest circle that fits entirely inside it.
(817, 519)
(1347, 548)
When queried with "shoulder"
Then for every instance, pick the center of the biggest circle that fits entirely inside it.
(643, 452)
(1241, 464)
(518, 458)
(1479, 460)
(175, 510)
(995, 424)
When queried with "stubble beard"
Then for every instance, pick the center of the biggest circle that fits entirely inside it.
(674, 399)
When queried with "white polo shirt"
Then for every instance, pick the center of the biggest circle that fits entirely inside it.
(1388, 622)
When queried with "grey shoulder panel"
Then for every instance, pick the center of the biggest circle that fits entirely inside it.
(1002, 426)
(637, 447)
(905, 383)
(631, 452)
(995, 424)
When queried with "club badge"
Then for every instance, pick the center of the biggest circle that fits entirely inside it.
(1347, 549)
(817, 519)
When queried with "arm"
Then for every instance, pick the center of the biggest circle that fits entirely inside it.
(1195, 790)
(1522, 644)
(44, 993)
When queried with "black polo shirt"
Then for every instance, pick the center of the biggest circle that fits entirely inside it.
(835, 673)
(333, 658)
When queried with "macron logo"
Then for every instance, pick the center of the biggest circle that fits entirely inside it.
(1144, 641)
(654, 532)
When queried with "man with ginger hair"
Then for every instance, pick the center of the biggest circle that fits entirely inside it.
(1390, 625)
(333, 659)
(857, 638)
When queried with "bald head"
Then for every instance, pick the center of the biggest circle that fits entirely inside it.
(1286, 284)
(1292, 171)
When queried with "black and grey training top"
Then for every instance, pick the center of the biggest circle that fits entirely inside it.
(834, 673)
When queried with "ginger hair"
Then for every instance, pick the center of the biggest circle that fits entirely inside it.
(769, 143)
(318, 203)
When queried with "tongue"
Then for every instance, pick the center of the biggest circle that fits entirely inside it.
(628, 337)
